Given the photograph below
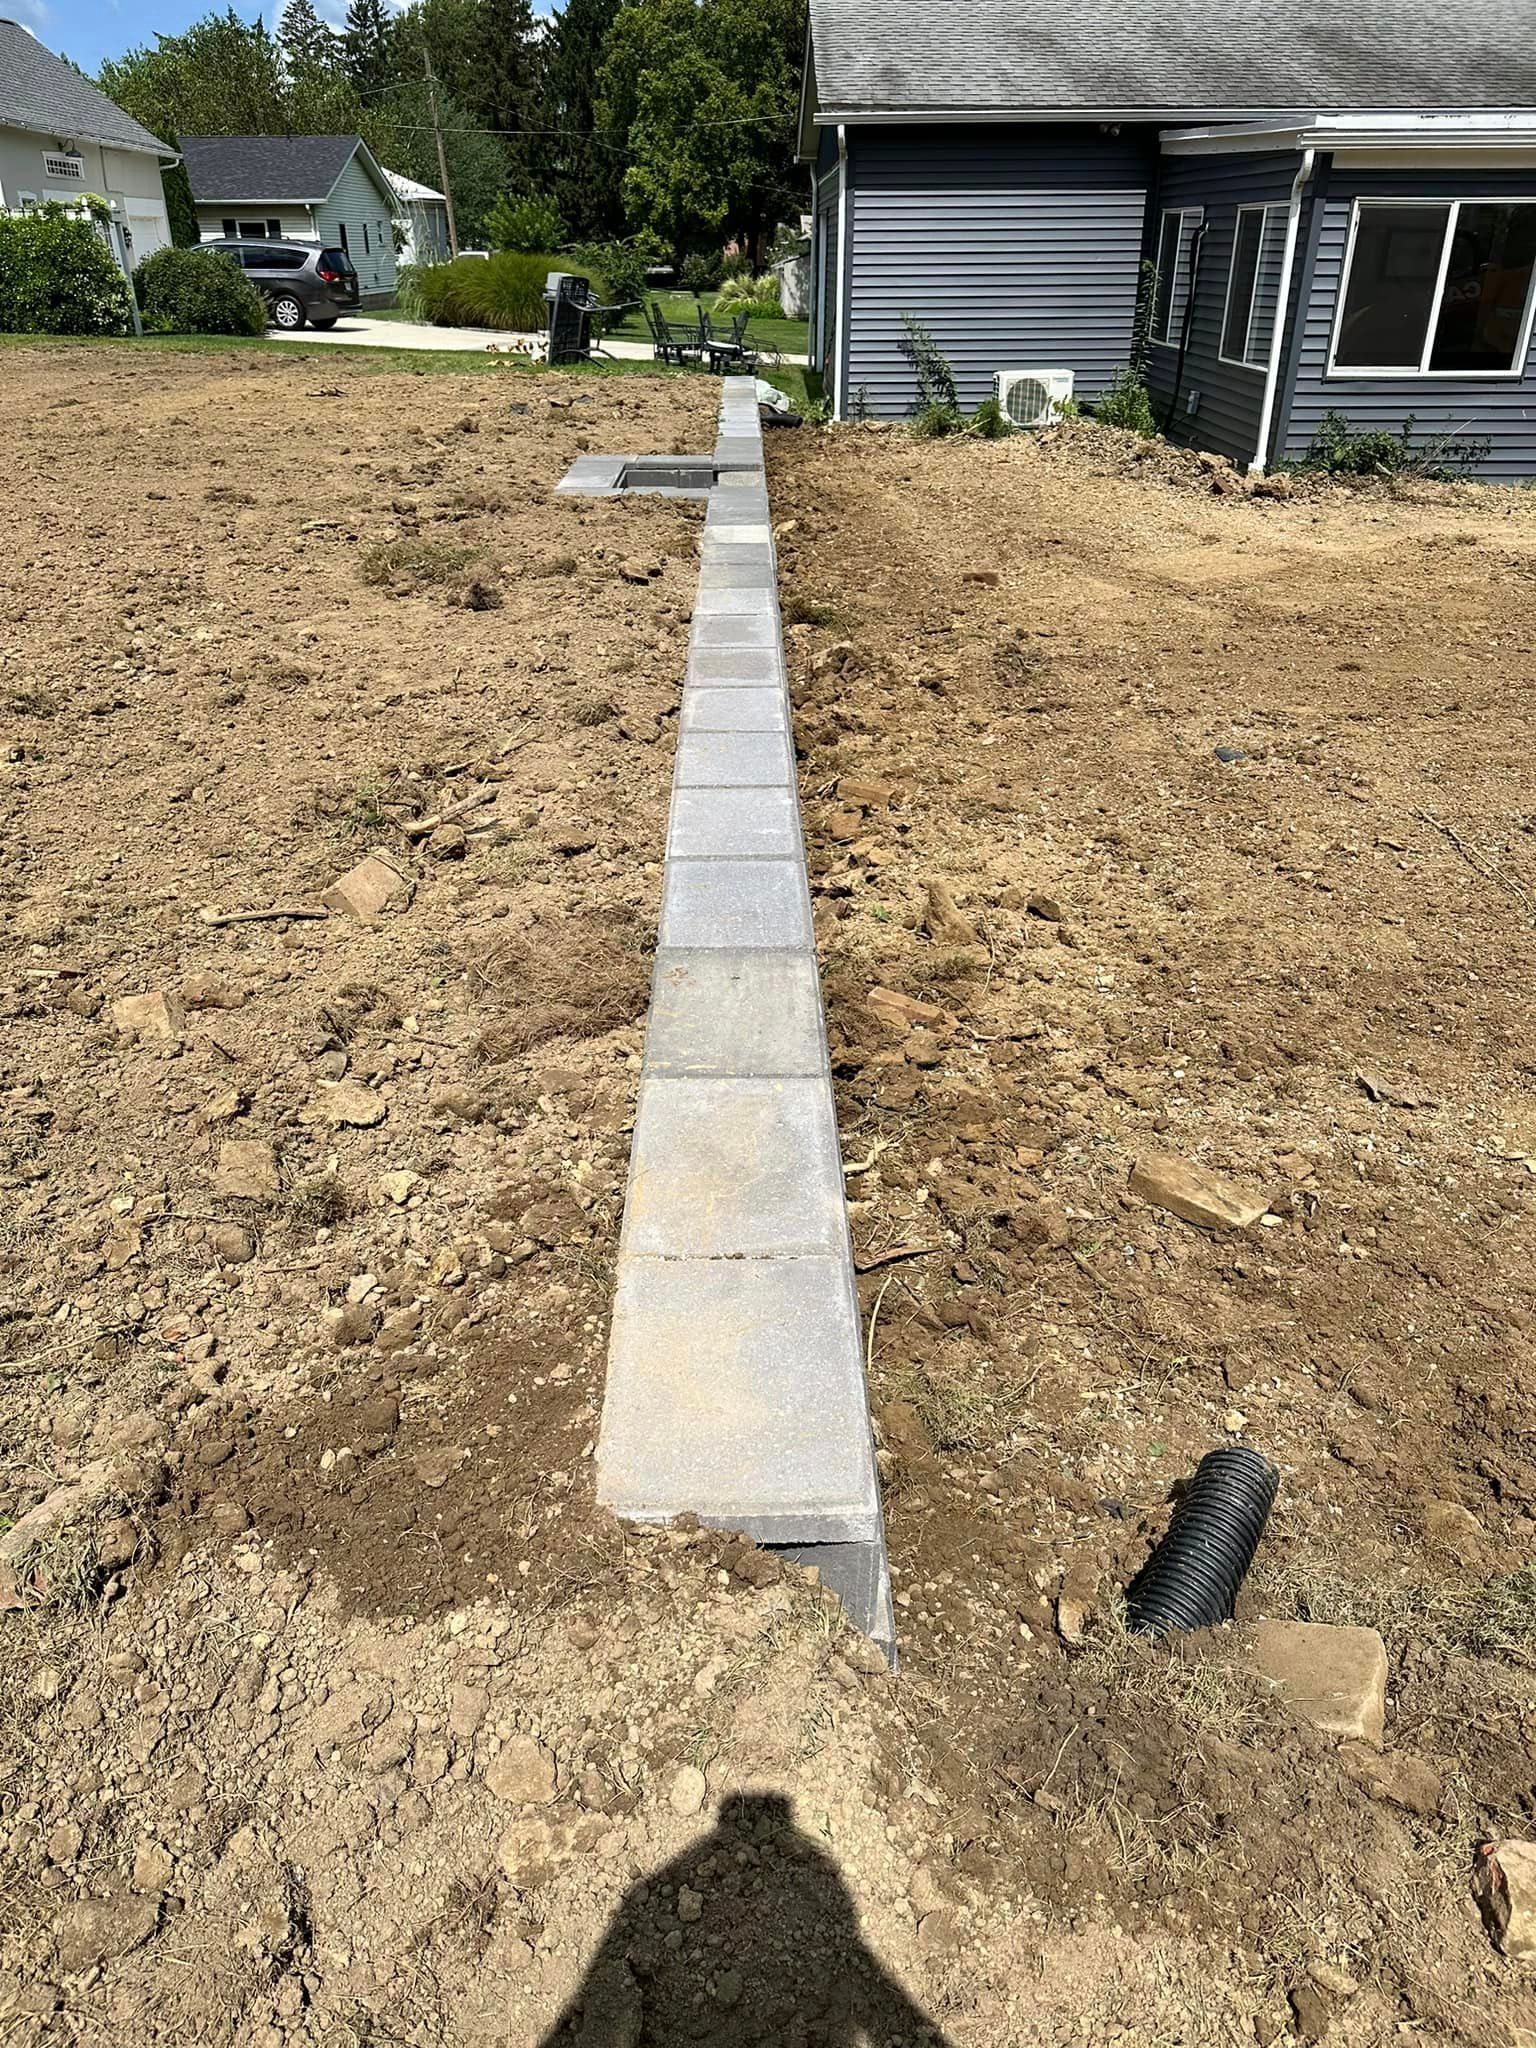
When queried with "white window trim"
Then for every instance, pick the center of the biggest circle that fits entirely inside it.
(1405, 373)
(1185, 213)
(1260, 366)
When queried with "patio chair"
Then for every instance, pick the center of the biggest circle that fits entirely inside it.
(729, 351)
(676, 342)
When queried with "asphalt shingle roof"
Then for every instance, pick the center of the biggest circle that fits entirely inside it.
(42, 94)
(229, 167)
(1194, 55)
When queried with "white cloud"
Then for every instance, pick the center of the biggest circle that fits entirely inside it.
(31, 14)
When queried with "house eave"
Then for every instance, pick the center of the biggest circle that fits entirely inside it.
(856, 117)
(150, 148)
(1429, 133)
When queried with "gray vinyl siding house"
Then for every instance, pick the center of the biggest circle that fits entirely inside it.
(1341, 212)
(328, 189)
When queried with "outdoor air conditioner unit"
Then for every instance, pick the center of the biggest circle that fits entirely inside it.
(1031, 398)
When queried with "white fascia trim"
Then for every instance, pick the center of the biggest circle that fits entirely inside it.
(1428, 133)
(864, 117)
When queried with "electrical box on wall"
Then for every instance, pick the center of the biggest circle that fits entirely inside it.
(1192, 403)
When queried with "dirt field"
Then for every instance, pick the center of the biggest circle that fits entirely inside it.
(331, 1713)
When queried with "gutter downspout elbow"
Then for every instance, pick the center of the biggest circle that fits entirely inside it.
(1282, 314)
(839, 335)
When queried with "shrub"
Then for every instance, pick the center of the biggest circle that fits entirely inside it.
(1127, 404)
(197, 291)
(938, 401)
(529, 221)
(745, 293)
(409, 295)
(57, 276)
(499, 291)
(701, 272)
(989, 422)
(1442, 458)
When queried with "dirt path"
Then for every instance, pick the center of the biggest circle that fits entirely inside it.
(330, 1712)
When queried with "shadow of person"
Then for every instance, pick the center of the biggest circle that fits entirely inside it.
(749, 1939)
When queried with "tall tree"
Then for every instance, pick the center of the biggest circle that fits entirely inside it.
(222, 76)
(370, 41)
(508, 90)
(585, 166)
(702, 91)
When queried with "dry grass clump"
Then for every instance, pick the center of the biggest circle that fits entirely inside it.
(578, 977)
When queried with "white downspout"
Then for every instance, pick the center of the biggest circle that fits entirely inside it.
(844, 268)
(1282, 314)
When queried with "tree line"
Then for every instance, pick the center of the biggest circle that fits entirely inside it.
(671, 120)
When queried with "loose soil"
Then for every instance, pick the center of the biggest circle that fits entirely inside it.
(331, 1710)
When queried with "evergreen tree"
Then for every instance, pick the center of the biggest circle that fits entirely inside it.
(507, 92)
(585, 166)
(370, 41)
(308, 44)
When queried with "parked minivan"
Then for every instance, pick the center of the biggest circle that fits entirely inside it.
(298, 280)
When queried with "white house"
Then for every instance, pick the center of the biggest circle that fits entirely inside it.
(423, 217)
(308, 188)
(60, 138)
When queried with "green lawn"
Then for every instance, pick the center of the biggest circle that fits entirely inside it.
(800, 385)
(781, 337)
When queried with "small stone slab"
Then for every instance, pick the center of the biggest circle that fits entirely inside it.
(736, 1393)
(733, 760)
(1504, 1886)
(1197, 1196)
(721, 531)
(733, 824)
(737, 601)
(735, 1013)
(735, 629)
(1336, 1678)
(737, 668)
(706, 710)
(732, 903)
(734, 1169)
(739, 571)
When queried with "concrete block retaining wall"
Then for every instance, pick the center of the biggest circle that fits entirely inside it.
(735, 1372)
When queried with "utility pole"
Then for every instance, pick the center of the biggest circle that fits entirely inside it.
(442, 157)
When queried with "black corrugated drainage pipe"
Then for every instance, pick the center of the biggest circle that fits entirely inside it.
(1191, 1579)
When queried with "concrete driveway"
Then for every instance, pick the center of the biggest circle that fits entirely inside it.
(363, 330)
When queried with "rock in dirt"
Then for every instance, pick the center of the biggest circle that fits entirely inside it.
(1336, 1678)
(1047, 908)
(1504, 1886)
(637, 571)
(690, 1905)
(152, 1018)
(522, 1772)
(365, 892)
(345, 1105)
(448, 842)
(96, 1931)
(1190, 1192)
(1395, 1778)
(944, 921)
(152, 1868)
(232, 1243)
(901, 1012)
(690, 1788)
(247, 1170)
(1451, 1528)
(207, 992)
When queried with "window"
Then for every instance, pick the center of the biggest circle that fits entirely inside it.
(1175, 267)
(1253, 286)
(67, 169)
(341, 231)
(1437, 288)
(228, 229)
(367, 248)
(253, 231)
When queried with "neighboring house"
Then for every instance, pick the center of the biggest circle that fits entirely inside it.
(423, 218)
(60, 138)
(1341, 205)
(329, 189)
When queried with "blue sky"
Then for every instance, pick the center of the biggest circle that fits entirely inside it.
(89, 30)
